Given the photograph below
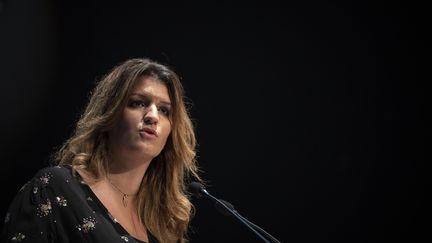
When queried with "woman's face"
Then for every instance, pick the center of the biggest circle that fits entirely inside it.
(145, 124)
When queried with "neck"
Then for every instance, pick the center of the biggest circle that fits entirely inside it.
(128, 180)
(127, 168)
(127, 175)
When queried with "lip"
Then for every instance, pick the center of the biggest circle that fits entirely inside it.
(148, 131)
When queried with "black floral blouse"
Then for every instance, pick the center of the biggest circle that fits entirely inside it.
(56, 206)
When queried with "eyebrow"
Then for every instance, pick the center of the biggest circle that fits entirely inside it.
(145, 95)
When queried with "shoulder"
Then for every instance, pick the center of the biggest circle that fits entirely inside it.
(54, 176)
(55, 172)
(36, 196)
(37, 205)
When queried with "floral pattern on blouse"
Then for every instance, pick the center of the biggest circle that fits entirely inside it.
(18, 237)
(45, 179)
(89, 224)
(55, 207)
(61, 201)
(44, 209)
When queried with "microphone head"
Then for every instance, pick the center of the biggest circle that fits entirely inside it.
(196, 188)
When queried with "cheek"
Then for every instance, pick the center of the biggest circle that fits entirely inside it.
(125, 125)
(166, 132)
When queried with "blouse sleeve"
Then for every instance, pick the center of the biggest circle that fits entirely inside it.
(30, 215)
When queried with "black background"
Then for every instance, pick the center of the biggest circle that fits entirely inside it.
(310, 117)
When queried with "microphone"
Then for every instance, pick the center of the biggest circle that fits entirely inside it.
(227, 209)
(196, 188)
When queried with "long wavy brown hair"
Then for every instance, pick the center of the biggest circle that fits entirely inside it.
(163, 202)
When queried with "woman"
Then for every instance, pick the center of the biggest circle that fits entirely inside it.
(121, 176)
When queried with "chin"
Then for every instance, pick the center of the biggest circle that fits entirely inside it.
(145, 151)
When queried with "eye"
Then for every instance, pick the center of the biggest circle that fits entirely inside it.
(165, 110)
(137, 103)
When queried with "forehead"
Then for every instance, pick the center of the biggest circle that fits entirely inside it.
(151, 86)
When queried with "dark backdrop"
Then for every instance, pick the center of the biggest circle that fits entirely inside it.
(310, 117)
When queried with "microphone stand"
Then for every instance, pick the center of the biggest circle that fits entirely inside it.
(229, 205)
(227, 210)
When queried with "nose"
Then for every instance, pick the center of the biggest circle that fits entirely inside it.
(151, 115)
